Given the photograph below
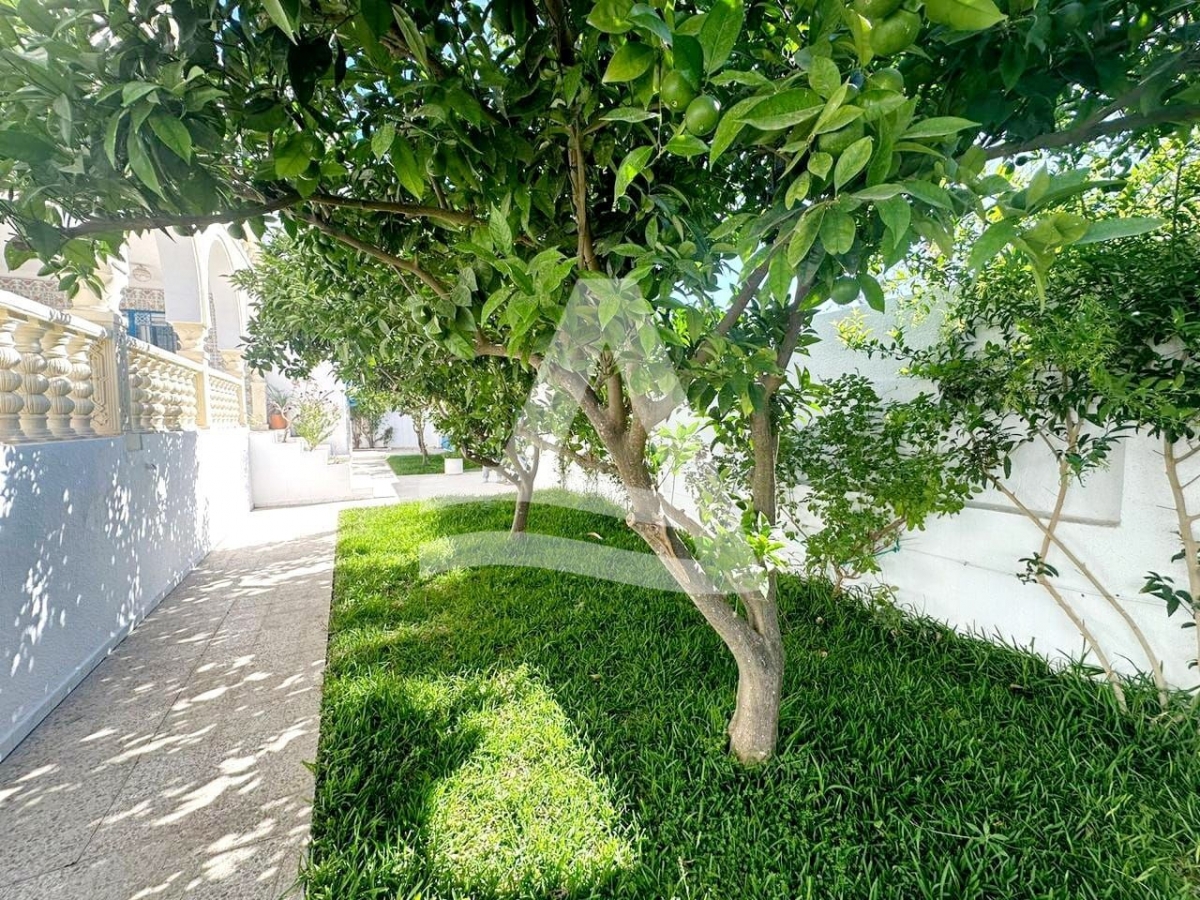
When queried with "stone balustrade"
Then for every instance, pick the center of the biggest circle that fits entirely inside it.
(47, 372)
(225, 406)
(64, 377)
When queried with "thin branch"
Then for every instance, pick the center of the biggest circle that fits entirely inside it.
(590, 463)
(749, 288)
(149, 223)
(409, 210)
(396, 262)
(1085, 133)
(586, 248)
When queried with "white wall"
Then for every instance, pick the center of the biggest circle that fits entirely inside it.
(93, 533)
(288, 474)
(962, 569)
(404, 433)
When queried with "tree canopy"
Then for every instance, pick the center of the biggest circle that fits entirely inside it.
(738, 163)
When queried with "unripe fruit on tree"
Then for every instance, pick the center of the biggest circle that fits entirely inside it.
(876, 9)
(675, 92)
(845, 290)
(834, 142)
(895, 33)
(702, 115)
(886, 80)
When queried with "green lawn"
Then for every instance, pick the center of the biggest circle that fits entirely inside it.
(507, 733)
(411, 464)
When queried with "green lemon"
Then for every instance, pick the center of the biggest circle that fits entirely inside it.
(1071, 15)
(835, 142)
(676, 93)
(876, 9)
(702, 115)
(895, 33)
(886, 80)
(845, 290)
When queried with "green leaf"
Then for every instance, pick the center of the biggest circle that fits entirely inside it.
(627, 114)
(610, 305)
(1110, 229)
(837, 232)
(824, 76)
(964, 15)
(24, 146)
(839, 118)
(872, 291)
(173, 134)
(408, 170)
(630, 61)
(686, 145)
(293, 156)
(689, 59)
(896, 214)
(782, 110)
(730, 126)
(631, 167)
(378, 15)
(878, 192)
(719, 33)
(611, 16)
(135, 91)
(797, 190)
(280, 17)
(995, 238)
(141, 163)
(110, 138)
(382, 139)
(939, 126)
(820, 163)
(804, 235)
(500, 231)
(929, 193)
(852, 161)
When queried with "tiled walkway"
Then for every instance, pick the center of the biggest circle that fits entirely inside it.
(177, 769)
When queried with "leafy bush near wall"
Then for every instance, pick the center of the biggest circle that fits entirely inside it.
(528, 735)
(315, 416)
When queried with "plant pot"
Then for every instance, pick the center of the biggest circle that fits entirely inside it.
(277, 422)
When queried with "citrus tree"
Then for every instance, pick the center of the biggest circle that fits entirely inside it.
(737, 163)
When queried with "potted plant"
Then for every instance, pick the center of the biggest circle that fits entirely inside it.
(278, 403)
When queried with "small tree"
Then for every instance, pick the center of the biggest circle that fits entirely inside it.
(1108, 349)
(315, 418)
(492, 158)
(367, 411)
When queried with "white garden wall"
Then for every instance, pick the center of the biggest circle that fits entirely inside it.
(93, 533)
(962, 569)
(404, 432)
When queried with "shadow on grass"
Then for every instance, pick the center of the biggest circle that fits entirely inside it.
(507, 733)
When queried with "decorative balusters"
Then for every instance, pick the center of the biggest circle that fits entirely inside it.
(34, 384)
(80, 349)
(58, 389)
(11, 402)
(62, 376)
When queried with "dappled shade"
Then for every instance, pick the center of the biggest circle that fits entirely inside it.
(515, 733)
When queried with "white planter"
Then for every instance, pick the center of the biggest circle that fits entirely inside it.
(454, 466)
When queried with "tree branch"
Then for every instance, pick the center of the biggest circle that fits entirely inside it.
(409, 210)
(396, 262)
(1088, 131)
(149, 223)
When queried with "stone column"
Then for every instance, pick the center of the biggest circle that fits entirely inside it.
(192, 336)
(257, 402)
(34, 384)
(58, 374)
(11, 402)
(106, 359)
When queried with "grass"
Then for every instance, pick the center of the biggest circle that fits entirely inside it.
(411, 464)
(509, 733)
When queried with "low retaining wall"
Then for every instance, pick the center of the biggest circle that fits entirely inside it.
(93, 534)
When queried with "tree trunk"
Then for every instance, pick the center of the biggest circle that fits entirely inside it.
(419, 428)
(754, 729)
(524, 482)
